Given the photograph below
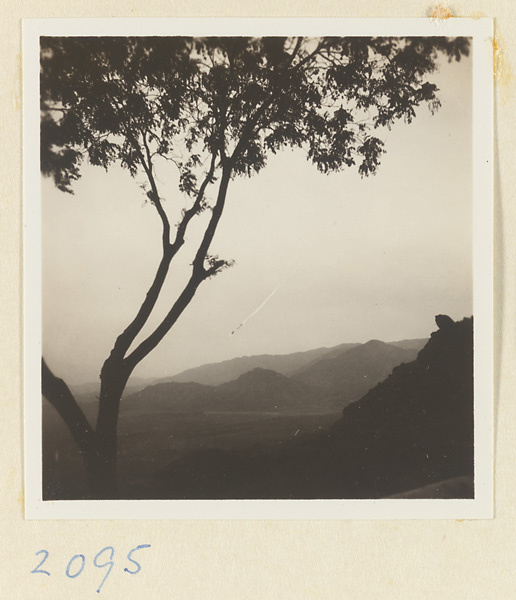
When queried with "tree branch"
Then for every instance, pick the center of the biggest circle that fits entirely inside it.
(322, 44)
(199, 274)
(164, 327)
(204, 246)
(126, 338)
(195, 208)
(299, 41)
(154, 191)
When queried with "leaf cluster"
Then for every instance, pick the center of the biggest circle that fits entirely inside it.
(240, 99)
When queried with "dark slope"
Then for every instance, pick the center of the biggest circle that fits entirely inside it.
(412, 430)
(416, 427)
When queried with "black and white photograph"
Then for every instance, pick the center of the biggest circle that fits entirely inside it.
(261, 268)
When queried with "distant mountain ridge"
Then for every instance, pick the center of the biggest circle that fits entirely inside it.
(285, 364)
(215, 374)
(228, 370)
(415, 344)
(350, 374)
(324, 385)
(259, 390)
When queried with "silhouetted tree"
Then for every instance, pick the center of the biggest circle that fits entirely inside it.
(214, 107)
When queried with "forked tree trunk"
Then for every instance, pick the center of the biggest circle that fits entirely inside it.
(99, 449)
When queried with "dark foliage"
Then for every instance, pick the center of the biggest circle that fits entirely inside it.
(106, 99)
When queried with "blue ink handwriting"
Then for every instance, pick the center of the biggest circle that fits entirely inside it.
(103, 559)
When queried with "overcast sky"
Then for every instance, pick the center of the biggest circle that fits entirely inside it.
(341, 259)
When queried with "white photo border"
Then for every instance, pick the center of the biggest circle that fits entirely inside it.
(481, 507)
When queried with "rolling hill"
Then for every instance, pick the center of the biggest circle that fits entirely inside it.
(258, 390)
(285, 364)
(266, 390)
(328, 385)
(324, 385)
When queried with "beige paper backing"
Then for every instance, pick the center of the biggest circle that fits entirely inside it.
(256, 559)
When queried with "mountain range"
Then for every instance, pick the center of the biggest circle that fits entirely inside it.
(369, 420)
(327, 382)
(355, 371)
(285, 364)
(409, 432)
(228, 370)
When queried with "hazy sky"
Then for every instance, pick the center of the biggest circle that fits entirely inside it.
(350, 259)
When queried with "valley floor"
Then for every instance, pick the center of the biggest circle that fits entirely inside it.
(149, 443)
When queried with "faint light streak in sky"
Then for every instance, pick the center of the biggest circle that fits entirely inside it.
(256, 310)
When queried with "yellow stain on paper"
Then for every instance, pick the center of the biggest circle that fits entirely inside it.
(440, 12)
(502, 71)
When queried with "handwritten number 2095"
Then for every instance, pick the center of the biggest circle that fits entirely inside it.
(103, 559)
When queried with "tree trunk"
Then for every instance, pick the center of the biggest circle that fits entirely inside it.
(103, 465)
(99, 449)
(101, 469)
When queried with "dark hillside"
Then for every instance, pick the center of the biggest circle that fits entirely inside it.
(416, 427)
(412, 430)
